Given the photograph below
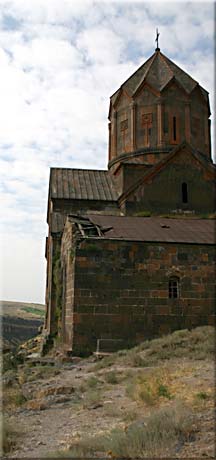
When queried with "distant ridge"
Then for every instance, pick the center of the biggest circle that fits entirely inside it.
(20, 321)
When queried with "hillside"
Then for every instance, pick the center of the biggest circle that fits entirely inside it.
(156, 400)
(20, 321)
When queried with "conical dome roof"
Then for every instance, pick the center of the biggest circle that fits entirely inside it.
(158, 71)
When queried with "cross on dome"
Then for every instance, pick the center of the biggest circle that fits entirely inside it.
(157, 39)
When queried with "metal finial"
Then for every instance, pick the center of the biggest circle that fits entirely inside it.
(157, 38)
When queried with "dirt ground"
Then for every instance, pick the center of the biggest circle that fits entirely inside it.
(63, 408)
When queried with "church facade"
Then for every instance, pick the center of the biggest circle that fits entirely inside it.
(130, 251)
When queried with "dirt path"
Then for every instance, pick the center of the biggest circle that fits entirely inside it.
(57, 419)
(58, 413)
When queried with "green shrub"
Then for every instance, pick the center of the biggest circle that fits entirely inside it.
(148, 387)
(92, 382)
(111, 377)
(144, 438)
(146, 394)
(151, 436)
(163, 391)
(202, 395)
(143, 214)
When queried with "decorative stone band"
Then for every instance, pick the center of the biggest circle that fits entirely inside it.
(138, 152)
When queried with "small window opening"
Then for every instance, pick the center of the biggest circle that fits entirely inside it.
(184, 193)
(174, 288)
(174, 128)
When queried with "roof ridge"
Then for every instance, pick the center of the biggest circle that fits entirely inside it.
(166, 63)
(146, 72)
(161, 164)
(78, 169)
(139, 68)
(156, 217)
(182, 70)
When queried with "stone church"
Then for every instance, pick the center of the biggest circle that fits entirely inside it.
(130, 250)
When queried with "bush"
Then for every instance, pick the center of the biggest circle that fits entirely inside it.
(107, 361)
(92, 382)
(195, 344)
(143, 214)
(10, 361)
(91, 398)
(202, 395)
(10, 436)
(163, 391)
(136, 360)
(111, 377)
(29, 373)
(144, 438)
(149, 388)
(13, 397)
(150, 436)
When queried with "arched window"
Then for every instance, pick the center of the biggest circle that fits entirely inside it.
(174, 288)
(184, 193)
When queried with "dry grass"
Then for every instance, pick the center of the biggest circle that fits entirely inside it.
(139, 389)
(151, 437)
(111, 377)
(13, 397)
(197, 344)
(92, 382)
(10, 436)
(91, 398)
(111, 410)
(144, 438)
(107, 361)
(149, 387)
(39, 372)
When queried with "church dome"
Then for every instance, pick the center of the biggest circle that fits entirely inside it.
(155, 109)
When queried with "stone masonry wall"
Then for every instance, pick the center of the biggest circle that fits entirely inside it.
(121, 290)
(163, 193)
(67, 263)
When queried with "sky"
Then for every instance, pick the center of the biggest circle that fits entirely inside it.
(60, 61)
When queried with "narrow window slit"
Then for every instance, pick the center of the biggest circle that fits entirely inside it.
(184, 193)
(174, 128)
(173, 288)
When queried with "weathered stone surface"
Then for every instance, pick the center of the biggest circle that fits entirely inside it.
(131, 305)
(159, 163)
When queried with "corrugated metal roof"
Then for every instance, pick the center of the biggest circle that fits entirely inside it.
(82, 184)
(184, 230)
(57, 221)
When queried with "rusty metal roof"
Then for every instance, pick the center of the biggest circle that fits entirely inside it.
(82, 184)
(57, 221)
(169, 230)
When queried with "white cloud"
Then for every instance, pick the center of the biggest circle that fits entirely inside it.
(60, 62)
(50, 11)
(22, 276)
(101, 45)
(47, 55)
